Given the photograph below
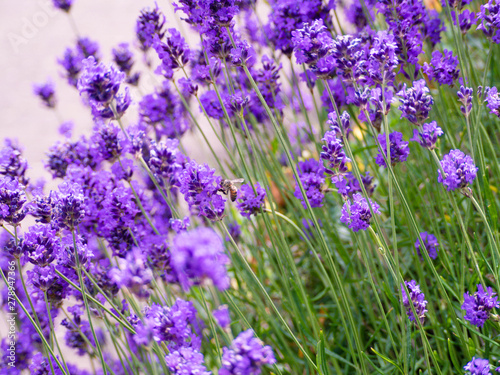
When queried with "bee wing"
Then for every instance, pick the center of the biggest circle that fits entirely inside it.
(238, 180)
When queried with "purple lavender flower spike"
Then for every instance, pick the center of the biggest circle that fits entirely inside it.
(46, 93)
(478, 366)
(185, 361)
(357, 14)
(41, 245)
(87, 47)
(443, 68)
(311, 174)
(246, 355)
(350, 185)
(492, 98)
(431, 244)
(383, 59)
(288, 16)
(356, 214)
(234, 231)
(174, 53)
(123, 58)
(333, 152)
(164, 111)
(459, 170)
(199, 254)
(64, 5)
(466, 20)
(427, 137)
(417, 298)
(12, 199)
(433, 26)
(221, 315)
(133, 273)
(149, 24)
(465, 95)
(250, 202)
(72, 64)
(109, 140)
(100, 84)
(348, 56)
(416, 102)
(69, 207)
(311, 42)
(12, 162)
(43, 277)
(173, 325)
(165, 159)
(399, 149)
(188, 87)
(243, 54)
(489, 20)
(478, 306)
(339, 130)
(200, 186)
(66, 129)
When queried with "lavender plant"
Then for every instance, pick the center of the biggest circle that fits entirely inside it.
(142, 259)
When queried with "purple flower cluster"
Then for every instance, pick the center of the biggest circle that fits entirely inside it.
(222, 317)
(185, 361)
(99, 85)
(333, 153)
(164, 112)
(199, 254)
(466, 20)
(478, 366)
(64, 5)
(133, 273)
(12, 162)
(342, 128)
(399, 149)
(200, 185)
(443, 68)
(311, 174)
(250, 201)
(357, 214)
(427, 137)
(246, 356)
(459, 170)
(489, 20)
(478, 305)
(12, 200)
(172, 325)
(46, 93)
(123, 58)
(288, 16)
(350, 185)
(150, 23)
(72, 59)
(416, 102)
(465, 95)
(416, 298)
(165, 160)
(312, 45)
(431, 245)
(492, 98)
(174, 53)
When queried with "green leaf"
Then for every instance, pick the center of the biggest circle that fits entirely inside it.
(388, 360)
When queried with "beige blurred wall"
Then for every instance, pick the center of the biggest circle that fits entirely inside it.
(32, 36)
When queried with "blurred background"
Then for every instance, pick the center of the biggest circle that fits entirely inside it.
(33, 35)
